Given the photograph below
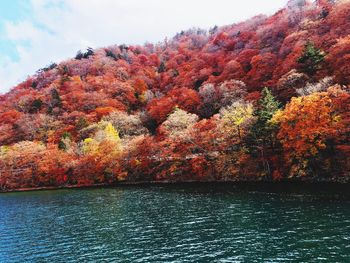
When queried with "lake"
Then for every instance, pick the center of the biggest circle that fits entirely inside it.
(197, 223)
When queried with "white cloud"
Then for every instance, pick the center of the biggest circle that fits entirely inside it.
(61, 27)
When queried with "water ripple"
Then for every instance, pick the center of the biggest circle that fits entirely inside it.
(159, 224)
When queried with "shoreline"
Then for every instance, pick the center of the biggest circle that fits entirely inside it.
(262, 185)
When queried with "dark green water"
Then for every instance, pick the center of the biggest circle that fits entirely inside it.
(173, 224)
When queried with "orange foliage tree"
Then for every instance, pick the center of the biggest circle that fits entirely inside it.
(309, 129)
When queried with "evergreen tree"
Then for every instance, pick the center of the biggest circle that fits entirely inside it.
(81, 123)
(55, 102)
(65, 139)
(311, 59)
(55, 98)
(162, 67)
(267, 106)
(36, 106)
(262, 134)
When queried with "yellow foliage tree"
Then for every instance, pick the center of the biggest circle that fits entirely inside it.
(236, 115)
(111, 133)
(90, 146)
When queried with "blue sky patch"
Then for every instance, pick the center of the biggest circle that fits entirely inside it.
(11, 10)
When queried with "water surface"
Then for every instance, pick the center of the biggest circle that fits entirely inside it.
(173, 224)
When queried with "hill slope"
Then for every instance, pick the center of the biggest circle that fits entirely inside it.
(191, 108)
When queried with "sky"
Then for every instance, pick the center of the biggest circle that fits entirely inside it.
(34, 33)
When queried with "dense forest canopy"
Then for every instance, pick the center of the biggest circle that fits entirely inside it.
(264, 99)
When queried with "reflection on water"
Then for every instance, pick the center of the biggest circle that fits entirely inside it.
(173, 224)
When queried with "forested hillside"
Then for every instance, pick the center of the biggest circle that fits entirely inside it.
(265, 99)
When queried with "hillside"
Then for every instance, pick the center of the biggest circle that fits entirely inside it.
(264, 99)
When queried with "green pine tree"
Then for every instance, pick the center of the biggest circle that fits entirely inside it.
(311, 59)
(267, 106)
(55, 100)
(262, 133)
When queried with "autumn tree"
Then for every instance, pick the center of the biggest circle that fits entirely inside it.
(339, 59)
(308, 130)
(321, 85)
(126, 124)
(183, 98)
(261, 72)
(216, 96)
(177, 122)
(236, 117)
(289, 84)
(102, 151)
(32, 164)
